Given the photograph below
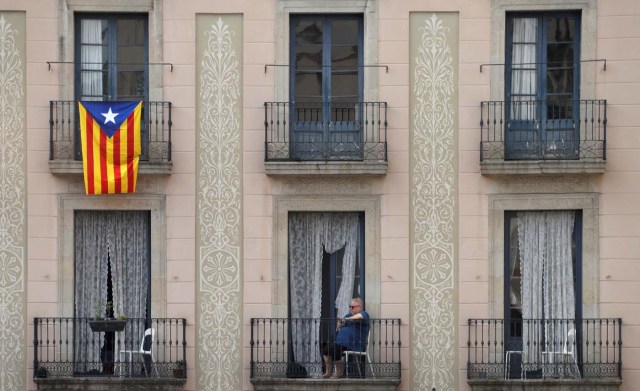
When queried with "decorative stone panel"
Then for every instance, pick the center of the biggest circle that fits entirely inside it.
(219, 202)
(13, 201)
(434, 178)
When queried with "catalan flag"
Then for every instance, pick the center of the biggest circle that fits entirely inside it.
(110, 134)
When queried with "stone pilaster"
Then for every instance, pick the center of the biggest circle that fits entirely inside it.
(434, 211)
(219, 202)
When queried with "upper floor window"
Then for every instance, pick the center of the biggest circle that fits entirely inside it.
(326, 83)
(542, 84)
(111, 53)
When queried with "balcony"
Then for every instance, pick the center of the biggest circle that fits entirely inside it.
(65, 155)
(285, 355)
(543, 137)
(146, 353)
(558, 354)
(346, 138)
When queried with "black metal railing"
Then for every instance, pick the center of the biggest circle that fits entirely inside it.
(293, 348)
(154, 348)
(64, 131)
(543, 130)
(325, 131)
(550, 348)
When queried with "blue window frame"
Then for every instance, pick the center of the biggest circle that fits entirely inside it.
(326, 84)
(112, 57)
(542, 85)
(111, 53)
(513, 306)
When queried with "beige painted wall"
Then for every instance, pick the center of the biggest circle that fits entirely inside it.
(618, 190)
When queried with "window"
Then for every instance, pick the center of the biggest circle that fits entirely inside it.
(111, 52)
(326, 84)
(112, 277)
(326, 269)
(542, 85)
(542, 287)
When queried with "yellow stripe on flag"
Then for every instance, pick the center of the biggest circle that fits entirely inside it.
(110, 164)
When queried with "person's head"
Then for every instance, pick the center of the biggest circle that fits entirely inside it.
(356, 305)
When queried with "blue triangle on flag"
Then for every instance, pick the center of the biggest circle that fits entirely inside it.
(110, 115)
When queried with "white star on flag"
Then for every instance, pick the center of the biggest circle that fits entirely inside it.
(110, 116)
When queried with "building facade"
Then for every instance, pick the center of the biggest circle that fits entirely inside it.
(468, 168)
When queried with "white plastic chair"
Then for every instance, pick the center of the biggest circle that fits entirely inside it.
(566, 354)
(356, 353)
(567, 348)
(146, 349)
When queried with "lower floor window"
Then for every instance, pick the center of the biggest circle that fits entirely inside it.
(542, 284)
(326, 270)
(112, 254)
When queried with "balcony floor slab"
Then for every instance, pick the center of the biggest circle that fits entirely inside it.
(325, 384)
(108, 383)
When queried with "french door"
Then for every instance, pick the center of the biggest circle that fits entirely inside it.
(542, 86)
(326, 86)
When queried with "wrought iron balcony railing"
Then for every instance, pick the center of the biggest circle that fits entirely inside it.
(292, 347)
(325, 131)
(543, 130)
(64, 131)
(67, 347)
(542, 349)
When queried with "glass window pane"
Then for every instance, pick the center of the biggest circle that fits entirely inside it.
(343, 110)
(524, 108)
(344, 56)
(560, 106)
(308, 31)
(561, 28)
(308, 84)
(344, 31)
(560, 54)
(131, 55)
(131, 32)
(523, 82)
(93, 84)
(308, 56)
(525, 30)
(94, 31)
(131, 84)
(559, 81)
(344, 85)
(308, 109)
(523, 56)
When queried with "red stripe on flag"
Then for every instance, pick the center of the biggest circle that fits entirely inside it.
(117, 169)
(89, 158)
(104, 178)
(130, 152)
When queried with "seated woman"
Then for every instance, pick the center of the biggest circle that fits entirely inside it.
(351, 334)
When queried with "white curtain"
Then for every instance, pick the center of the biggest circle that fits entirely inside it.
(130, 272)
(547, 285)
(309, 235)
(91, 56)
(523, 69)
(120, 238)
(91, 254)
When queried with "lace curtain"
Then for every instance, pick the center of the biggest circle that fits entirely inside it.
(310, 234)
(523, 68)
(120, 238)
(129, 258)
(91, 253)
(91, 57)
(547, 284)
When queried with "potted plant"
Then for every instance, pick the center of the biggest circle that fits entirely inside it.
(179, 369)
(108, 324)
(41, 372)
